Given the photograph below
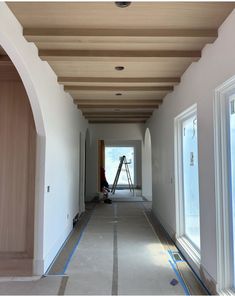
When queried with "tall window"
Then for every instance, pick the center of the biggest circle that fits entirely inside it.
(232, 170)
(225, 184)
(112, 160)
(187, 184)
(190, 180)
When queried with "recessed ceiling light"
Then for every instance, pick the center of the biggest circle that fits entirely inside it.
(118, 94)
(119, 68)
(122, 4)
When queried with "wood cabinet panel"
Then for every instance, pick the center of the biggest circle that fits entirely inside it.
(17, 179)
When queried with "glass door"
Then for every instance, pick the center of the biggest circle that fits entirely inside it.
(232, 170)
(190, 180)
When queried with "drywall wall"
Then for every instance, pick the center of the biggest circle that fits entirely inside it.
(109, 133)
(147, 166)
(198, 84)
(58, 124)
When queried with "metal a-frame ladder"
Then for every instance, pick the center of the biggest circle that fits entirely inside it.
(131, 186)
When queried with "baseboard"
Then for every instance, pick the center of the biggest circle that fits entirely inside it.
(165, 226)
(147, 198)
(208, 280)
(38, 267)
(51, 255)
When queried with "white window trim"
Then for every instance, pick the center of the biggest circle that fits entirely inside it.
(182, 240)
(224, 262)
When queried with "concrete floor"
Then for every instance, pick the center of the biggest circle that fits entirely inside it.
(116, 252)
(126, 195)
(120, 254)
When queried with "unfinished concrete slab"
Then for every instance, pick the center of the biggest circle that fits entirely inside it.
(120, 254)
(117, 252)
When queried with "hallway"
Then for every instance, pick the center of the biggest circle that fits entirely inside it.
(120, 254)
(116, 253)
(151, 81)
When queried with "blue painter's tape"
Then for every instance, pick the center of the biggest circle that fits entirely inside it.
(181, 281)
(75, 247)
(200, 281)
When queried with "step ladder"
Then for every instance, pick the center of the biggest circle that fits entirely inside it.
(123, 161)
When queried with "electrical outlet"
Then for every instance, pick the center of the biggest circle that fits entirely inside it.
(48, 188)
(67, 216)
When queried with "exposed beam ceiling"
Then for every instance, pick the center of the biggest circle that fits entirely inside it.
(120, 88)
(154, 42)
(169, 80)
(33, 34)
(104, 103)
(76, 55)
(118, 105)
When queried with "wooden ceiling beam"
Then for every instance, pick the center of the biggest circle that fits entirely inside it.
(119, 113)
(71, 55)
(119, 80)
(117, 88)
(118, 106)
(32, 33)
(116, 116)
(113, 110)
(133, 120)
(114, 102)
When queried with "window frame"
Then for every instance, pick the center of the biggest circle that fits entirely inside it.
(188, 246)
(225, 262)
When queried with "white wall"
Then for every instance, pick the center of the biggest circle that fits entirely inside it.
(197, 86)
(58, 123)
(107, 132)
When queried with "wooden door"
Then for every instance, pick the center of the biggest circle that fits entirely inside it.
(17, 178)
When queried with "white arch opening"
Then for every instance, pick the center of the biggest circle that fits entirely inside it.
(10, 47)
(147, 166)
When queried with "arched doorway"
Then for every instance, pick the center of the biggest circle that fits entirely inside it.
(147, 166)
(17, 53)
(87, 150)
(82, 164)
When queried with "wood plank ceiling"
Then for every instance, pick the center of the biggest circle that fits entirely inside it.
(118, 63)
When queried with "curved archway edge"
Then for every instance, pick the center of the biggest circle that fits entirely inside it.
(147, 165)
(9, 44)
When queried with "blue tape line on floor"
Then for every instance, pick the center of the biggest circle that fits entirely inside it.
(181, 281)
(200, 281)
(75, 247)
